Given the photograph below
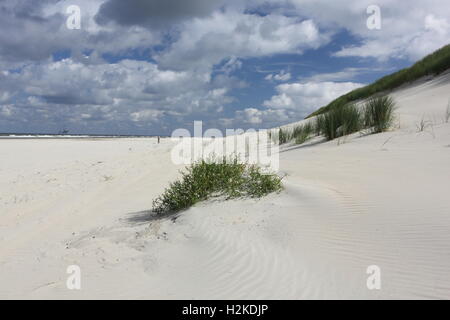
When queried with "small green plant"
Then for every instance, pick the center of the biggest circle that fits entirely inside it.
(339, 122)
(206, 179)
(379, 113)
(423, 125)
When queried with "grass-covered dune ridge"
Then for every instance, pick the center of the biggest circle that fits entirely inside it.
(433, 64)
(226, 177)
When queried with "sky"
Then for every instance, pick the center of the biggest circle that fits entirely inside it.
(148, 67)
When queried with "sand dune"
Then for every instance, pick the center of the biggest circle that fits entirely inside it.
(363, 200)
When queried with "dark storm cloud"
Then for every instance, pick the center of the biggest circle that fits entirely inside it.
(154, 13)
(23, 25)
(34, 31)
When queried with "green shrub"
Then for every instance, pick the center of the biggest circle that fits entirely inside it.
(339, 122)
(205, 179)
(379, 113)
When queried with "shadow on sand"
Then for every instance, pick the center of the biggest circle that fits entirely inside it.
(147, 216)
(303, 146)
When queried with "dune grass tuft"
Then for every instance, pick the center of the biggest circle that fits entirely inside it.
(302, 133)
(379, 113)
(339, 122)
(283, 136)
(206, 179)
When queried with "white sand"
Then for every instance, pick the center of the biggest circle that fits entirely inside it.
(364, 200)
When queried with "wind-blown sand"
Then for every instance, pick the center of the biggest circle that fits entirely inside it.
(363, 200)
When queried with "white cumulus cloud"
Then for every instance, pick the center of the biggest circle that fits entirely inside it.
(304, 98)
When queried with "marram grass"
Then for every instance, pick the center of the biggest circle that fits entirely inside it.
(303, 132)
(339, 122)
(379, 113)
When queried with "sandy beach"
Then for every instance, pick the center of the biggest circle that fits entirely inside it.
(348, 204)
